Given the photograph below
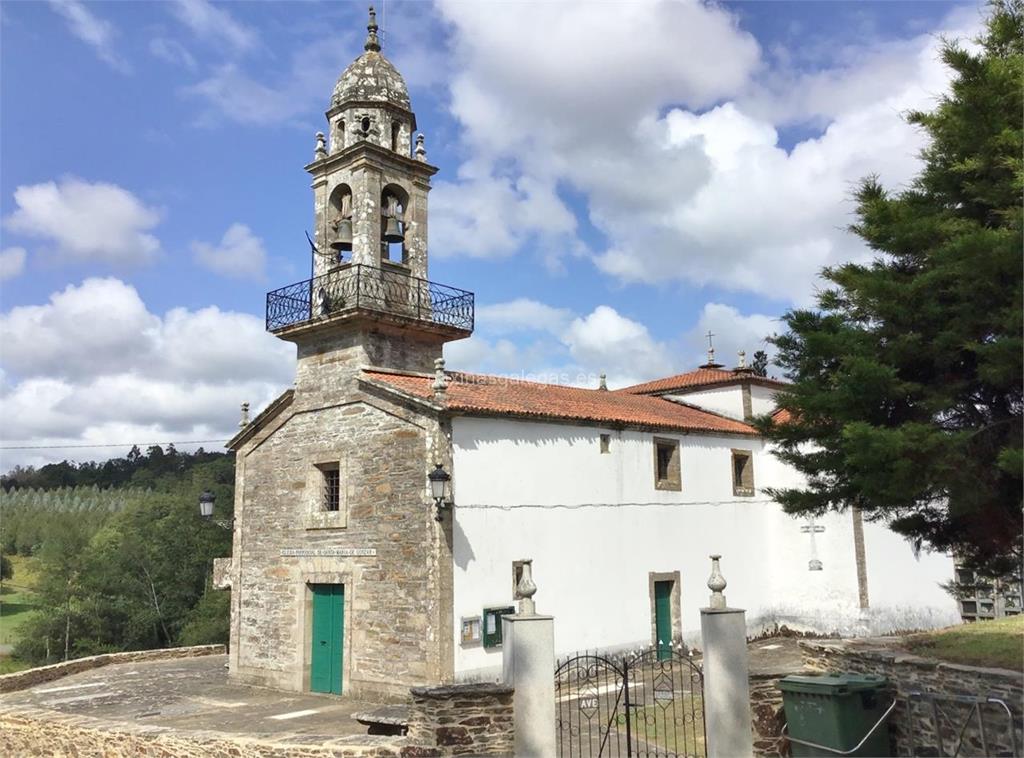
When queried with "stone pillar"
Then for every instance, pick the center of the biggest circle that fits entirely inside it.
(723, 631)
(528, 665)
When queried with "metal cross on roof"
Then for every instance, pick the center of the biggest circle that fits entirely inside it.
(711, 347)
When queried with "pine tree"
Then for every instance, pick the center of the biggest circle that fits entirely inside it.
(906, 397)
(759, 365)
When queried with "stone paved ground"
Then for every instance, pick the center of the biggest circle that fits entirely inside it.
(194, 694)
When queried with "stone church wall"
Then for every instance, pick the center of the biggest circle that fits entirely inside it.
(391, 634)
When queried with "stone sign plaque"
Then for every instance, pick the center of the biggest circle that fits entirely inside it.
(328, 552)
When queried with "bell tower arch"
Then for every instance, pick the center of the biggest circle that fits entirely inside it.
(369, 154)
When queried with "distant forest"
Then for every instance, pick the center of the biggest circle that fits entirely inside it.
(137, 469)
(121, 559)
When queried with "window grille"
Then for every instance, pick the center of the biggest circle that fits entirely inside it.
(332, 489)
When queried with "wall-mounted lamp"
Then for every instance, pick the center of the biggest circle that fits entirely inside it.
(439, 479)
(206, 501)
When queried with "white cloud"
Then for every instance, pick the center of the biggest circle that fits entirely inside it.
(88, 221)
(172, 51)
(12, 262)
(239, 255)
(607, 341)
(494, 216)
(92, 30)
(289, 95)
(215, 25)
(94, 365)
(534, 340)
(733, 331)
(522, 314)
(675, 155)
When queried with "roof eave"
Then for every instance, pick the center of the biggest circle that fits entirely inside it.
(267, 414)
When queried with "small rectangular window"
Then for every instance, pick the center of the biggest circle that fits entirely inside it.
(742, 473)
(331, 488)
(492, 625)
(606, 443)
(666, 464)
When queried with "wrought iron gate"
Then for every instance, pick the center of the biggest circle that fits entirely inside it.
(649, 705)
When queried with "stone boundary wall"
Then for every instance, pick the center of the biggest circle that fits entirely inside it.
(21, 680)
(766, 712)
(913, 723)
(28, 731)
(464, 719)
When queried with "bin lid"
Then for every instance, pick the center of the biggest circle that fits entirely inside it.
(835, 684)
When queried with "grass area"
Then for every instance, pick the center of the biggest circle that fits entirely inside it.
(16, 600)
(672, 729)
(997, 643)
(10, 665)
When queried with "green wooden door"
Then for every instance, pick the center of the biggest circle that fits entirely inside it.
(328, 634)
(663, 618)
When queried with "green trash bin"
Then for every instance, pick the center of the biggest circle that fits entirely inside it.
(836, 712)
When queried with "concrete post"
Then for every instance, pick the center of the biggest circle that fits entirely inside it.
(528, 665)
(723, 631)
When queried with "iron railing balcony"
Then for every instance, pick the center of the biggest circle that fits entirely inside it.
(357, 287)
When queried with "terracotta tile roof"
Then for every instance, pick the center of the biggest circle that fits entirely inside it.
(700, 377)
(782, 416)
(493, 395)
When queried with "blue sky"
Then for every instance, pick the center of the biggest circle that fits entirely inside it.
(615, 179)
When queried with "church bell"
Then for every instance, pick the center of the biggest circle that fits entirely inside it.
(342, 240)
(393, 231)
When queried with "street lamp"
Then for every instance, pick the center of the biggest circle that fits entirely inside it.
(439, 479)
(206, 501)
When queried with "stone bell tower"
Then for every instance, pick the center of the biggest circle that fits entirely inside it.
(368, 302)
(370, 191)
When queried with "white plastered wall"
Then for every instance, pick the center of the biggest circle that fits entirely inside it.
(596, 527)
(727, 401)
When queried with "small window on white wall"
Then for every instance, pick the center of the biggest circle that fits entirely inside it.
(667, 474)
(742, 473)
(606, 443)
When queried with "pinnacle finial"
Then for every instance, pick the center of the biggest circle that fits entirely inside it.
(440, 384)
(372, 43)
(716, 583)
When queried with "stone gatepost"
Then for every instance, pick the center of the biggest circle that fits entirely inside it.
(528, 665)
(723, 631)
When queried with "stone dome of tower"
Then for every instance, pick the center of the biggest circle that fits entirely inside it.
(371, 77)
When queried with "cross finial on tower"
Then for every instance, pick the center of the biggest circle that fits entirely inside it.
(372, 43)
(711, 346)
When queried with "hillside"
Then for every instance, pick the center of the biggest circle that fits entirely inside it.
(112, 556)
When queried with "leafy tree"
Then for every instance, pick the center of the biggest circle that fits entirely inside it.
(906, 395)
(759, 365)
(207, 623)
(6, 570)
(126, 568)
